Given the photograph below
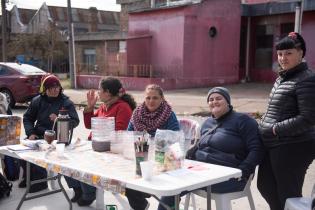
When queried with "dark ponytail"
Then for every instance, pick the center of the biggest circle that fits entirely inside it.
(129, 99)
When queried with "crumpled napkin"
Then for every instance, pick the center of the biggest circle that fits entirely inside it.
(35, 144)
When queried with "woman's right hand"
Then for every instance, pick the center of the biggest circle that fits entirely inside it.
(92, 98)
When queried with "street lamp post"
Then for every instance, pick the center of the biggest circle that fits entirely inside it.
(298, 13)
(70, 45)
(4, 30)
(298, 16)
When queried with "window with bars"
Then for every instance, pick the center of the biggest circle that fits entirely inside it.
(89, 58)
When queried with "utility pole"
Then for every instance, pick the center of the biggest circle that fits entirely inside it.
(70, 45)
(4, 31)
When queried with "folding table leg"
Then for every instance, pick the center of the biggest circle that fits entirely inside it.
(52, 182)
(177, 197)
(64, 191)
(99, 199)
(28, 184)
(209, 197)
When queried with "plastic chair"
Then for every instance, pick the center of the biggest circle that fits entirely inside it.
(191, 129)
(223, 201)
(300, 203)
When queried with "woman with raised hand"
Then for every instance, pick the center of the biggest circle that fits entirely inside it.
(115, 103)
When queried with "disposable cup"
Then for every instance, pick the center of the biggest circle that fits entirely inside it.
(49, 136)
(146, 169)
(60, 148)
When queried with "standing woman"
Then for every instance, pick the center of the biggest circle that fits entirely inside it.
(287, 128)
(154, 113)
(115, 103)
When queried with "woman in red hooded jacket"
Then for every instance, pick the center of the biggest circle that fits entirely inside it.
(115, 103)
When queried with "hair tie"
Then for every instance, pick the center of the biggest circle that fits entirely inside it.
(292, 35)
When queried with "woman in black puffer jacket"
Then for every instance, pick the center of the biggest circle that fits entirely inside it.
(287, 128)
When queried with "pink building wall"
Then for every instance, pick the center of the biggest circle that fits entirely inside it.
(308, 32)
(181, 49)
(213, 60)
(166, 44)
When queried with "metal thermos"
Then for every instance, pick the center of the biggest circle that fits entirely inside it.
(64, 129)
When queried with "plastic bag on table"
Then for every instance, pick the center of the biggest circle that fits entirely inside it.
(168, 151)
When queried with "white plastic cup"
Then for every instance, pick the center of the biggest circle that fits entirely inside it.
(146, 169)
(60, 149)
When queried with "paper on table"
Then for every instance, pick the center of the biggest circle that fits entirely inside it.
(197, 167)
(19, 147)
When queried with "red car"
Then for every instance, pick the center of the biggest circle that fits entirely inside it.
(19, 82)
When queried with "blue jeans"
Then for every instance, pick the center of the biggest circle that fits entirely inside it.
(88, 191)
(232, 185)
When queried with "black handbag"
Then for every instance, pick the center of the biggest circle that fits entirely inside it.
(191, 152)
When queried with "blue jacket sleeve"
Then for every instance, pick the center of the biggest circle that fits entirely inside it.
(130, 127)
(172, 123)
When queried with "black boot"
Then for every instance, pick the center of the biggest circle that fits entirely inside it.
(77, 194)
(83, 202)
(38, 187)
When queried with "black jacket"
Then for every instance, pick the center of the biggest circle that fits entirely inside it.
(234, 141)
(36, 118)
(291, 108)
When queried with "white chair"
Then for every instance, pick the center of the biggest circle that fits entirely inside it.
(223, 201)
(191, 129)
(300, 203)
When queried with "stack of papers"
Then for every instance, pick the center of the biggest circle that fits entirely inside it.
(18, 147)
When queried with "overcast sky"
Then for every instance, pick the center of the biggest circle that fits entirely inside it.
(109, 5)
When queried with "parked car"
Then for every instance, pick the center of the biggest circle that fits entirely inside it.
(19, 82)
